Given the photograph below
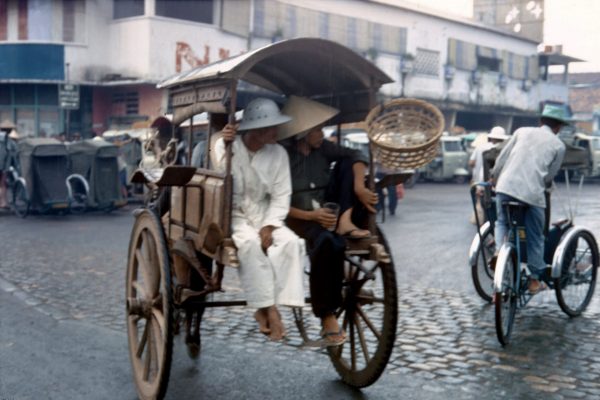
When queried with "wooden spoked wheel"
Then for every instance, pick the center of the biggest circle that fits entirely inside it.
(369, 315)
(149, 307)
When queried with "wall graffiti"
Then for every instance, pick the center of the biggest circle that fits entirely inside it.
(185, 53)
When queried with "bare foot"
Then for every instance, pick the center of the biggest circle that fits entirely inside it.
(275, 323)
(347, 228)
(261, 316)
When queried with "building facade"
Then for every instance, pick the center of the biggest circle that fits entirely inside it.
(115, 51)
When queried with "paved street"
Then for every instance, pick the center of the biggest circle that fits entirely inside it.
(66, 274)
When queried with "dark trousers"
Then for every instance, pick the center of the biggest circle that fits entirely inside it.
(341, 190)
(392, 196)
(326, 252)
(326, 249)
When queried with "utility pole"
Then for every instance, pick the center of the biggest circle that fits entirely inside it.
(68, 120)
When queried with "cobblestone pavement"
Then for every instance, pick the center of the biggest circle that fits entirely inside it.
(73, 268)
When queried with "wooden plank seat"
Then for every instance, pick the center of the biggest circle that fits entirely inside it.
(393, 179)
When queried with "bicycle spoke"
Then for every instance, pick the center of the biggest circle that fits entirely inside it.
(361, 337)
(148, 359)
(142, 343)
(352, 348)
(368, 322)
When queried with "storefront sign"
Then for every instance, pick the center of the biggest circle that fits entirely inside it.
(68, 96)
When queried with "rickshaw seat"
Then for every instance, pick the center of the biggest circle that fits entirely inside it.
(197, 214)
(174, 175)
(393, 179)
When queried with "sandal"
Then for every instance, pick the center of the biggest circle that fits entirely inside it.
(328, 339)
(542, 286)
(356, 233)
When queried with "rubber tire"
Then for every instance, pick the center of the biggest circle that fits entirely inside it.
(412, 181)
(19, 192)
(380, 357)
(489, 274)
(156, 389)
(508, 280)
(559, 282)
(78, 201)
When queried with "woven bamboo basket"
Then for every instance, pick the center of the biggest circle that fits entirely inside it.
(404, 133)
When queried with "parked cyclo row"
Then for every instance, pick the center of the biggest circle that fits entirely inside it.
(52, 177)
(570, 253)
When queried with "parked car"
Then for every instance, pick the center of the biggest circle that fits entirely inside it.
(591, 145)
(451, 162)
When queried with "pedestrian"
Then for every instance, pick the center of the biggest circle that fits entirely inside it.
(271, 255)
(314, 184)
(392, 191)
(523, 171)
(6, 127)
(494, 137)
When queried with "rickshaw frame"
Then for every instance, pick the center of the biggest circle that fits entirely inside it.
(193, 223)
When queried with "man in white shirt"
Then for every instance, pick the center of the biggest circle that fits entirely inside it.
(271, 255)
(496, 135)
(524, 169)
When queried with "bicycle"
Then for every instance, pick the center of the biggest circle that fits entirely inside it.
(18, 198)
(571, 252)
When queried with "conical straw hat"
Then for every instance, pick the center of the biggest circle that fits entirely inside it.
(306, 114)
(7, 124)
(14, 135)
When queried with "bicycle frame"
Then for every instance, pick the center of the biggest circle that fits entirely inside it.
(512, 244)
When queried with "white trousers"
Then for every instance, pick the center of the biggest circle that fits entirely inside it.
(275, 277)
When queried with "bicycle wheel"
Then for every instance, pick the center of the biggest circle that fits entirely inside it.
(506, 299)
(78, 193)
(369, 313)
(482, 274)
(20, 199)
(579, 268)
(149, 307)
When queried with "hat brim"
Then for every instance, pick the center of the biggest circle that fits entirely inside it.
(498, 137)
(264, 123)
(306, 114)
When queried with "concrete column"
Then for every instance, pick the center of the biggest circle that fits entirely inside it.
(149, 8)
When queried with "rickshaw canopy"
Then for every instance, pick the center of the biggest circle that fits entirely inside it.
(41, 147)
(96, 161)
(93, 148)
(316, 68)
(44, 165)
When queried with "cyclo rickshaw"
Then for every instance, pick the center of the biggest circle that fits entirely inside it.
(44, 165)
(95, 161)
(190, 219)
(571, 253)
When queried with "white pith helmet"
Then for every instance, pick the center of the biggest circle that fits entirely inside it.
(262, 113)
(498, 133)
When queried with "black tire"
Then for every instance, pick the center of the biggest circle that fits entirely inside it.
(78, 194)
(78, 203)
(150, 313)
(20, 199)
(460, 179)
(575, 287)
(506, 300)
(482, 274)
(412, 181)
(369, 313)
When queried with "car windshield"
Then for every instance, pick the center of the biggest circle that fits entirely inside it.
(453, 146)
